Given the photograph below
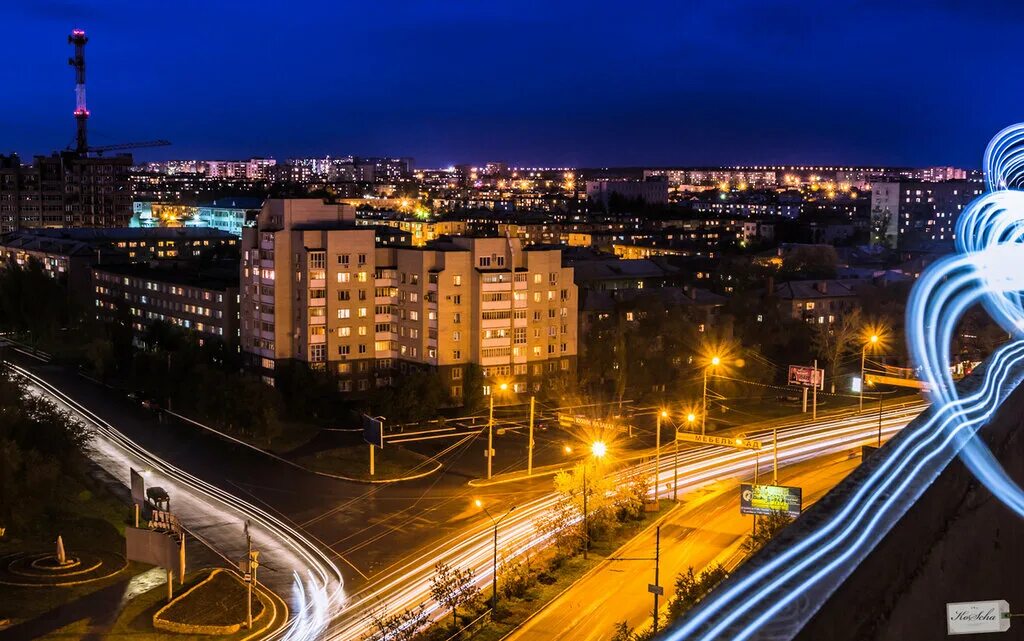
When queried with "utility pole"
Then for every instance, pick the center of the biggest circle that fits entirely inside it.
(879, 418)
(675, 465)
(775, 456)
(586, 528)
(657, 587)
(529, 455)
(490, 436)
(863, 357)
(371, 459)
(248, 577)
(814, 394)
(657, 451)
(704, 403)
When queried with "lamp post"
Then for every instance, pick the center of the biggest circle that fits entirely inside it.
(872, 340)
(490, 431)
(715, 362)
(657, 450)
(879, 418)
(598, 450)
(494, 573)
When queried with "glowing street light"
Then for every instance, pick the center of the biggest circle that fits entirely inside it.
(598, 449)
(490, 431)
(872, 341)
(715, 362)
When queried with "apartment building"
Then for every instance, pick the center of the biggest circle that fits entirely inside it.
(201, 301)
(318, 289)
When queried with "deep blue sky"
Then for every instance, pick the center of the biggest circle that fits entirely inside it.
(580, 82)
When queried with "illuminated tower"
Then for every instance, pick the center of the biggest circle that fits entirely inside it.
(78, 39)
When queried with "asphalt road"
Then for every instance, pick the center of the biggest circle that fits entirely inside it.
(705, 529)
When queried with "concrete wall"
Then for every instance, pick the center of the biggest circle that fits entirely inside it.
(957, 543)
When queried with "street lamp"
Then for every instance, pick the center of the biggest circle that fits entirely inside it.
(715, 362)
(494, 577)
(490, 431)
(598, 449)
(657, 449)
(871, 342)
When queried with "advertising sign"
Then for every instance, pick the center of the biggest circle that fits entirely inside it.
(806, 376)
(575, 420)
(373, 431)
(138, 487)
(977, 617)
(762, 500)
(152, 547)
(724, 441)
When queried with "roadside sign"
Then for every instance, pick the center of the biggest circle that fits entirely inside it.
(806, 376)
(655, 589)
(762, 500)
(724, 441)
(856, 385)
(575, 420)
(373, 430)
(977, 617)
(247, 577)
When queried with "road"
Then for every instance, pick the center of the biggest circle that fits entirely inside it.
(407, 584)
(386, 540)
(705, 529)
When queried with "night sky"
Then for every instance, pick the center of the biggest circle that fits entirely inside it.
(549, 83)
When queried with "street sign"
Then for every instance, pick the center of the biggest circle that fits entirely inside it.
(856, 385)
(656, 589)
(806, 376)
(724, 441)
(977, 617)
(373, 430)
(762, 500)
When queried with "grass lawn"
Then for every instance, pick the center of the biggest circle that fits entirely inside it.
(90, 523)
(354, 462)
(136, 619)
(219, 601)
(513, 612)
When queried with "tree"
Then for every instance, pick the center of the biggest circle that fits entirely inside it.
(452, 587)
(765, 529)
(691, 589)
(400, 626)
(632, 493)
(473, 388)
(515, 575)
(833, 341)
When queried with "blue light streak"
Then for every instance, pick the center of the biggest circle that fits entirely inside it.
(985, 269)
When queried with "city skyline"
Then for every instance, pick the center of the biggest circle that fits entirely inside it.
(708, 87)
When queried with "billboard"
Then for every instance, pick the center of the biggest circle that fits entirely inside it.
(724, 441)
(373, 431)
(152, 547)
(765, 499)
(806, 376)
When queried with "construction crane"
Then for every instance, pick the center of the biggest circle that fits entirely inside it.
(79, 39)
(128, 145)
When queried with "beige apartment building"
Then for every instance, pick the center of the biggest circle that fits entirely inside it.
(317, 289)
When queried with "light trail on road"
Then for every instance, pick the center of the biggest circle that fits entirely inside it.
(774, 599)
(297, 565)
(408, 584)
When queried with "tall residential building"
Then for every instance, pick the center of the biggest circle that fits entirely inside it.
(65, 190)
(317, 289)
(919, 214)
